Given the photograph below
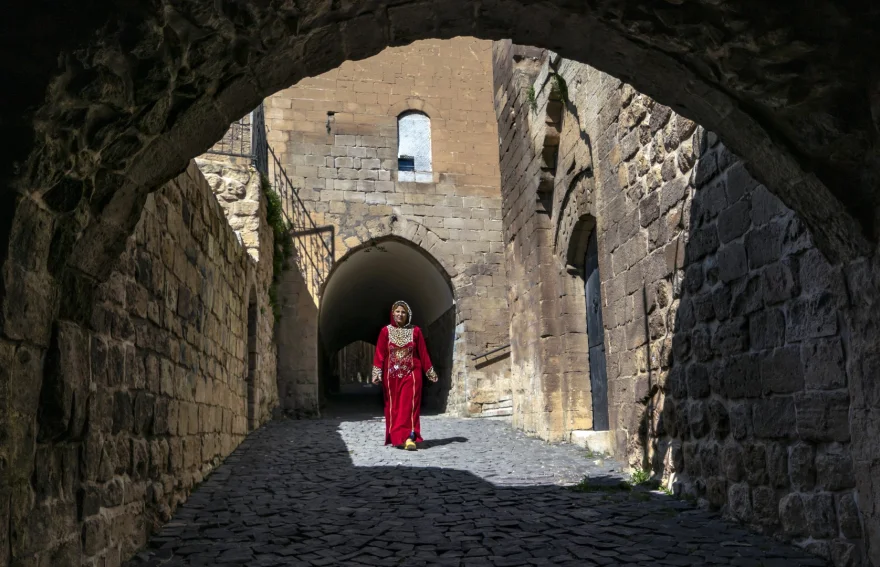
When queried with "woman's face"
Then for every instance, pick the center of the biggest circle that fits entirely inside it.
(400, 315)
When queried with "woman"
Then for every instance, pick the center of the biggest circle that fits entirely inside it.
(401, 358)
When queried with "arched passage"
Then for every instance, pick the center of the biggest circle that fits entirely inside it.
(107, 126)
(356, 304)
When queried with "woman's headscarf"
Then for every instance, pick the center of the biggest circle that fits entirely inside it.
(409, 313)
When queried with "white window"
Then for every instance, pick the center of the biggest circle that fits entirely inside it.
(414, 147)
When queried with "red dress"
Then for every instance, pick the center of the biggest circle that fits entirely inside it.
(401, 359)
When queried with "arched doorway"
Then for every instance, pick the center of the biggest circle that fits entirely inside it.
(356, 305)
(596, 335)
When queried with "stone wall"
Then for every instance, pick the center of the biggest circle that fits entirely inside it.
(550, 391)
(724, 327)
(146, 397)
(297, 340)
(336, 135)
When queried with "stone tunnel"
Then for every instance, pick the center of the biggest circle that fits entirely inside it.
(665, 215)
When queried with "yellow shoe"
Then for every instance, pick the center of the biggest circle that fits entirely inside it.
(410, 445)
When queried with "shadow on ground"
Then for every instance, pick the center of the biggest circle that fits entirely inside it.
(294, 494)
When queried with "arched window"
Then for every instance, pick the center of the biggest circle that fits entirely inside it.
(414, 147)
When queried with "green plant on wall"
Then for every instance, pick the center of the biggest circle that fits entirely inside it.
(283, 244)
(533, 100)
(561, 87)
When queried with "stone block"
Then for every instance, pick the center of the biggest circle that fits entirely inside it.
(793, 515)
(95, 535)
(701, 344)
(755, 462)
(649, 209)
(765, 506)
(834, 471)
(739, 499)
(716, 492)
(779, 282)
(848, 516)
(732, 456)
(820, 515)
(734, 221)
(710, 459)
(740, 420)
(703, 242)
(698, 419)
(824, 365)
(719, 419)
(777, 465)
(781, 371)
(764, 244)
(765, 206)
(704, 307)
(732, 262)
(746, 296)
(823, 416)
(707, 168)
(721, 302)
(845, 554)
(740, 377)
(673, 192)
(775, 418)
(739, 182)
(731, 337)
(697, 381)
(801, 466)
(767, 329)
(123, 413)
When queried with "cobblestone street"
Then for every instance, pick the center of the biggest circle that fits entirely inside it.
(326, 492)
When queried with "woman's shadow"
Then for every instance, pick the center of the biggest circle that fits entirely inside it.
(431, 443)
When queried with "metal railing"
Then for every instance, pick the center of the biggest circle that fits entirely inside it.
(313, 245)
(238, 141)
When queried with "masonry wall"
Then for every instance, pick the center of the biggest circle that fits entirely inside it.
(336, 135)
(141, 402)
(724, 327)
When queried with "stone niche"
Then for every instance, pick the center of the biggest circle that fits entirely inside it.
(726, 332)
(146, 396)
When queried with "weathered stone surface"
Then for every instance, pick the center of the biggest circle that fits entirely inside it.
(802, 469)
(834, 471)
(775, 418)
(781, 371)
(820, 515)
(823, 362)
(823, 416)
(792, 514)
(496, 465)
(848, 516)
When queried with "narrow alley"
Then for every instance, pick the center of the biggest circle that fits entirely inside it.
(326, 492)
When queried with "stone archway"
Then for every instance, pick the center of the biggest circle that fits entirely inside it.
(355, 306)
(158, 85)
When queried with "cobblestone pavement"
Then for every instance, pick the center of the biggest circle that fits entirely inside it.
(326, 492)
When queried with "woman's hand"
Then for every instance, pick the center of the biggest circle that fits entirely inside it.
(432, 378)
(376, 380)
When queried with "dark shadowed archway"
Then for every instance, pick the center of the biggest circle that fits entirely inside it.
(356, 304)
(115, 101)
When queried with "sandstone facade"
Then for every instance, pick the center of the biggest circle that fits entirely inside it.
(726, 356)
(145, 386)
(337, 136)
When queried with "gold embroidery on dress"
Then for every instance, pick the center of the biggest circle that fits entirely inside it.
(400, 336)
(401, 363)
(377, 373)
(431, 373)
